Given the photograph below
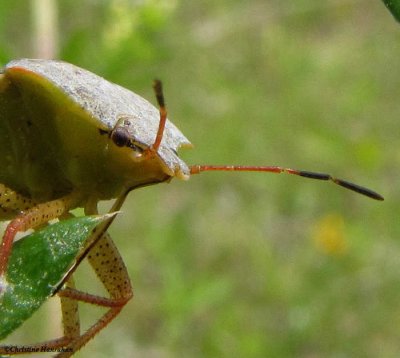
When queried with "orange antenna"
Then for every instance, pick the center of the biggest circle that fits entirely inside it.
(197, 169)
(157, 86)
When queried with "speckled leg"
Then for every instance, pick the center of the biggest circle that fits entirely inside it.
(70, 314)
(31, 215)
(12, 203)
(110, 269)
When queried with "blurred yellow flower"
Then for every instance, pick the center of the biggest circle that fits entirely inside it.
(329, 235)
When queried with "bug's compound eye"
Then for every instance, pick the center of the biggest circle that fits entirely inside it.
(120, 137)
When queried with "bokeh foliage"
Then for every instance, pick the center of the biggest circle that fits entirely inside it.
(37, 266)
(394, 8)
(250, 265)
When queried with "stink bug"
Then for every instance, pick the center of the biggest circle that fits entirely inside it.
(68, 139)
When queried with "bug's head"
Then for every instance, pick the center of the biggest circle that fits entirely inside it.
(148, 143)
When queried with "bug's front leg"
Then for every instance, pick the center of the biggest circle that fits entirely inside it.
(110, 269)
(11, 202)
(30, 215)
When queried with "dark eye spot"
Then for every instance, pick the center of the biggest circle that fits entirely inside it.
(120, 137)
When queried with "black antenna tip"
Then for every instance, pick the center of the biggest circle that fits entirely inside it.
(359, 189)
(157, 85)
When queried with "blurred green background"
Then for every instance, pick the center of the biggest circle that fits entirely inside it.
(234, 264)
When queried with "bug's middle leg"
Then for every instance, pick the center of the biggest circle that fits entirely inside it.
(110, 269)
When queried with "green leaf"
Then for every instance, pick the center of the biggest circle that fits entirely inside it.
(37, 265)
(394, 8)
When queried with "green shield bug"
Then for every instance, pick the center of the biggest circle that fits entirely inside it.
(68, 139)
